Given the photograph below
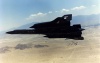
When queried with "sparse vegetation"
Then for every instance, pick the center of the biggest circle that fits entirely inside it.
(4, 49)
(23, 46)
(39, 46)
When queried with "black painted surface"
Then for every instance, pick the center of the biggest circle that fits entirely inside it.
(58, 28)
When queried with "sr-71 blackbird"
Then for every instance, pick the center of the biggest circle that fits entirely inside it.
(57, 28)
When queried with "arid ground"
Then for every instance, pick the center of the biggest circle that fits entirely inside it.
(38, 49)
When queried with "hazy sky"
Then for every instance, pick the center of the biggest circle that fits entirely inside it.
(14, 13)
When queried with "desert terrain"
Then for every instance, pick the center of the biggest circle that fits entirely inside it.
(31, 48)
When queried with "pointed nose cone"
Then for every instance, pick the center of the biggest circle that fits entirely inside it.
(81, 29)
(8, 32)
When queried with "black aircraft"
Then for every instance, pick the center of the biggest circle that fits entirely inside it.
(57, 28)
